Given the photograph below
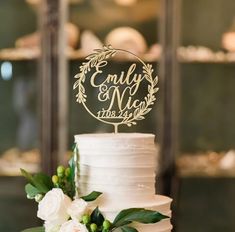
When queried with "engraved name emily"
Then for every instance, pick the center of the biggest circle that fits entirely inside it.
(110, 91)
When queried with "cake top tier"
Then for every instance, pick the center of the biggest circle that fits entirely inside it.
(115, 135)
(117, 150)
(112, 139)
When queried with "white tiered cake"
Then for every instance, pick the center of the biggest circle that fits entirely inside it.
(122, 166)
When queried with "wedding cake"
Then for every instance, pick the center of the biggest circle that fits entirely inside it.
(122, 166)
(109, 184)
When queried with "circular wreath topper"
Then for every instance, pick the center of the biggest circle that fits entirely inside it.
(118, 91)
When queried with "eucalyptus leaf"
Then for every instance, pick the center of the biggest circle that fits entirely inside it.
(27, 175)
(34, 229)
(138, 215)
(92, 196)
(72, 163)
(31, 190)
(42, 182)
(97, 217)
(73, 146)
(72, 166)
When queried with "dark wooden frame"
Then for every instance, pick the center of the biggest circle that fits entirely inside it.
(170, 85)
(54, 83)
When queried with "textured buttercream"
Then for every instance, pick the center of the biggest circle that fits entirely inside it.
(122, 166)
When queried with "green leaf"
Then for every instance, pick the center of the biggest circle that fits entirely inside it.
(147, 216)
(42, 182)
(73, 146)
(123, 214)
(72, 163)
(138, 215)
(27, 175)
(92, 196)
(34, 229)
(31, 190)
(72, 168)
(97, 217)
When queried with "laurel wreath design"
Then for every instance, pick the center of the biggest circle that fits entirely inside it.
(105, 53)
(93, 60)
(145, 105)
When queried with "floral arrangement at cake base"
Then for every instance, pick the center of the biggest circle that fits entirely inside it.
(62, 210)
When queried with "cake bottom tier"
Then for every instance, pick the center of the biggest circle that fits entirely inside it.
(162, 226)
(158, 203)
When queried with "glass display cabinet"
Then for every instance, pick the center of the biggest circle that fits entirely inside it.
(206, 127)
(19, 110)
(207, 97)
(19, 51)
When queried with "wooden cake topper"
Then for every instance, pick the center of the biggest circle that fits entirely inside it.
(116, 93)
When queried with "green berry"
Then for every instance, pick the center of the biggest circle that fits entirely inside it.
(60, 171)
(67, 172)
(29, 197)
(55, 179)
(93, 227)
(106, 224)
(38, 198)
(86, 219)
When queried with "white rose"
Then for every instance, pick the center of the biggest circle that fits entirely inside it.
(73, 226)
(53, 207)
(51, 227)
(77, 209)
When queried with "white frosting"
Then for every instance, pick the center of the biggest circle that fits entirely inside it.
(122, 166)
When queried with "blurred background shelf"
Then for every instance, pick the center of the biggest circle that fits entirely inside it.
(207, 164)
(12, 160)
(23, 54)
(191, 54)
